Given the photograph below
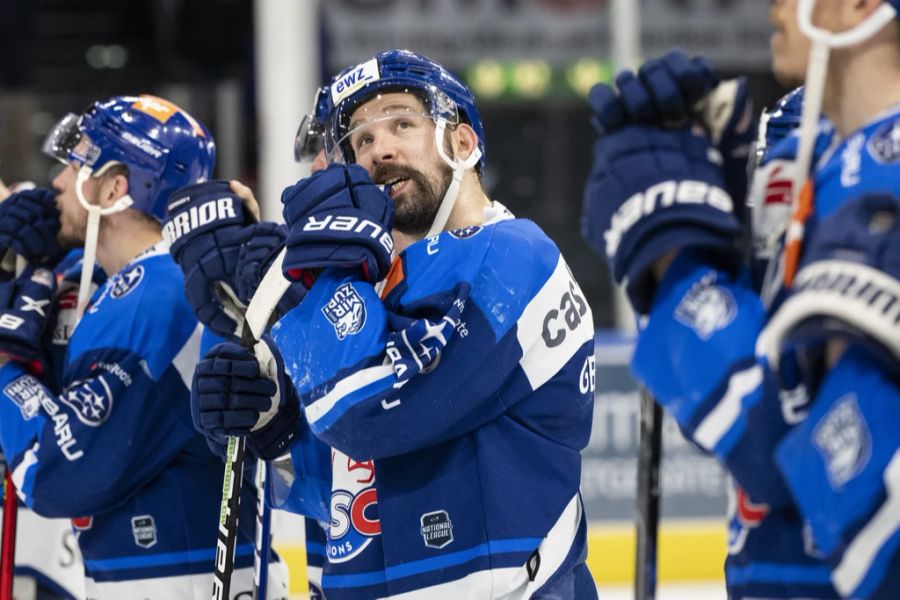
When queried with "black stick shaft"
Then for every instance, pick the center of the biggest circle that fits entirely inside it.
(228, 518)
(648, 494)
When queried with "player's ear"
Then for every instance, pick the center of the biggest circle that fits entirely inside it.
(113, 186)
(465, 140)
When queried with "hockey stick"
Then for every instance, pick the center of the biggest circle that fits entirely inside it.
(10, 508)
(647, 499)
(8, 543)
(269, 292)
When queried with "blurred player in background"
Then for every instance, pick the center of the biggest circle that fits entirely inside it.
(793, 387)
(107, 436)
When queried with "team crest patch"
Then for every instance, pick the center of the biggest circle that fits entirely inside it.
(28, 395)
(144, 529)
(437, 530)
(124, 283)
(884, 146)
(91, 400)
(706, 308)
(466, 232)
(346, 311)
(842, 438)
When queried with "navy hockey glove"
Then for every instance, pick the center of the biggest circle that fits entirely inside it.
(264, 242)
(675, 90)
(651, 191)
(26, 304)
(847, 286)
(338, 217)
(239, 392)
(205, 226)
(29, 224)
(664, 92)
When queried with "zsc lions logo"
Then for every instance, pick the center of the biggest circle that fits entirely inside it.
(346, 311)
(842, 438)
(125, 283)
(91, 400)
(884, 146)
(706, 308)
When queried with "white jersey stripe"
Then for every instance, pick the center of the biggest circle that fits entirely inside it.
(345, 387)
(721, 418)
(864, 548)
(186, 360)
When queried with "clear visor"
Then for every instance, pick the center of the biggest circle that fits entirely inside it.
(353, 129)
(67, 143)
(310, 139)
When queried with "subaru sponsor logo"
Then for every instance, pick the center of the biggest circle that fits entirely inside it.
(91, 400)
(346, 311)
(437, 529)
(125, 282)
(144, 529)
(842, 438)
(706, 307)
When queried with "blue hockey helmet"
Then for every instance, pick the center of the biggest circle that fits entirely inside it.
(445, 96)
(778, 123)
(163, 147)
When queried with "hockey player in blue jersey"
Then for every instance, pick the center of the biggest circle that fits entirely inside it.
(791, 394)
(112, 442)
(444, 352)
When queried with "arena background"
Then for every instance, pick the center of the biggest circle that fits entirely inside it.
(250, 69)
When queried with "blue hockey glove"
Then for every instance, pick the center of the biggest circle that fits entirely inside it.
(264, 242)
(26, 304)
(664, 92)
(239, 392)
(338, 217)
(206, 226)
(651, 191)
(29, 224)
(847, 286)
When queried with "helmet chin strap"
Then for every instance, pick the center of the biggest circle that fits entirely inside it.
(459, 168)
(91, 236)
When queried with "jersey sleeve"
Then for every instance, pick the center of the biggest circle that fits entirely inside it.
(696, 355)
(842, 465)
(123, 411)
(463, 314)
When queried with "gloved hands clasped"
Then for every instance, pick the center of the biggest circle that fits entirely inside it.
(29, 225)
(659, 181)
(223, 253)
(338, 218)
(237, 391)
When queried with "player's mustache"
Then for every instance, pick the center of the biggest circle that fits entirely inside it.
(388, 173)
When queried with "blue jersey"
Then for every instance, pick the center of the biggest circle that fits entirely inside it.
(697, 354)
(115, 449)
(457, 401)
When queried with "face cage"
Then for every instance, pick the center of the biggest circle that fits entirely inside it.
(438, 105)
(67, 143)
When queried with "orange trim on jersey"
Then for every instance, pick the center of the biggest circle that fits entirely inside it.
(162, 110)
(394, 277)
(794, 246)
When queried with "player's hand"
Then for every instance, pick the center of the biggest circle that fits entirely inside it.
(664, 92)
(29, 224)
(205, 225)
(26, 309)
(241, 392)
(264, 242)
(652, 191)
(338, 217)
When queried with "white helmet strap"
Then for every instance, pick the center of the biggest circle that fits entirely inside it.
(91, 235)
(459, 168)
